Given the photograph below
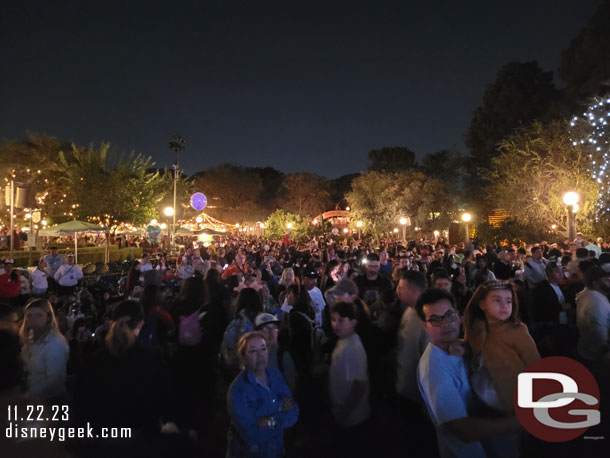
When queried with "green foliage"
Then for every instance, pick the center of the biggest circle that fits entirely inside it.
(276, 226)
(511, 231)
(536, 168)
(379, 200)
(391, 159)
(447, 166)
(305, 194)
(100, 183)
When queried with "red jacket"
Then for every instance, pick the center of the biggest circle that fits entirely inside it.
(8, 287)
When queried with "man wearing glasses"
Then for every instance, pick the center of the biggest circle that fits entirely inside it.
(443, 382)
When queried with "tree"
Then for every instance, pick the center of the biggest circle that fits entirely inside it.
(391, 159)
(521, 93)
(305, 194)
(277, 223)
(447, 166)
(379, 200)
(110, 187)
(339, 187)
(537, 166)
(232, 192)
(585, 64)
(591, 133)
(33, 161)
(272, 181)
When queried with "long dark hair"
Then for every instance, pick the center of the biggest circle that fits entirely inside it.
(150, 298)
(250, 302)
(303, 303)
(194, 291)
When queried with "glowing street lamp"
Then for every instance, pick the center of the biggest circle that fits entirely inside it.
(466, 218)
(346, 230)
(199, 219)
(289, 225)
(359, 226)
(168, 211)
(436, 234)
(570, 199)
(403, 222)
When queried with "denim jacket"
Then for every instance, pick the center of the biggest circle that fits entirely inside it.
(249, 400)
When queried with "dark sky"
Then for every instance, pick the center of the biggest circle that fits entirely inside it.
(295, 85)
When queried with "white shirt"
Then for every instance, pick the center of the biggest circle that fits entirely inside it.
(593, 322)
(317, 302)
(46, 365)
(68, 275)
(412, 341)
(349, 364)
(146, 267)
(39, 279)
(443, 382)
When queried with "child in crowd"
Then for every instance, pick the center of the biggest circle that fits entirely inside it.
(494, 332)
(501, 348)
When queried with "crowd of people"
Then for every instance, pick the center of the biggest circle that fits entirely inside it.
(260, 348)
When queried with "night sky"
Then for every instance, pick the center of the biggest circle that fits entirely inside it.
(295, 85)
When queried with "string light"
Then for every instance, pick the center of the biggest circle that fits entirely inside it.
(591, 126)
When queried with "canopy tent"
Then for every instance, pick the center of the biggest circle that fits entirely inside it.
(73, 228)
(206, 231)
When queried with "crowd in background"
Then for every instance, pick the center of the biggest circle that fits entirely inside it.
(252, 347)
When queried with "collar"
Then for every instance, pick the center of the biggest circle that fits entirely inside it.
(253, 380)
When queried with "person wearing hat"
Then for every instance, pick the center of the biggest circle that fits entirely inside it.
(10, 283)
(310, 277)
(593, 318)
(68, 275)
(279, 357)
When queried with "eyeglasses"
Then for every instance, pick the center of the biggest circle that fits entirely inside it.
(437, 321)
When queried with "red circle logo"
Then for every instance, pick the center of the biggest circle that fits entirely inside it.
(557, 399)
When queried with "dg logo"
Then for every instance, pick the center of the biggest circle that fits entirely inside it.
(557, 399)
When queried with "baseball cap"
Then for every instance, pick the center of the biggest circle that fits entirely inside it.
(310, 272)
(342, 288)
(263, 319)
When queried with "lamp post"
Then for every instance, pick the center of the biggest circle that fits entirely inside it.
(570, 199)
(466, 217)
(169, 211)
(359, 226)
(396, 232)
(177, 146)
(403, 223)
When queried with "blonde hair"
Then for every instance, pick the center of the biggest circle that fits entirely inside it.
(242, 344)
(27, 334)
(120, 337)
(283, 280)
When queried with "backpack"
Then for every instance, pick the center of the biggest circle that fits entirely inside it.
(189, 329)
(318, 336)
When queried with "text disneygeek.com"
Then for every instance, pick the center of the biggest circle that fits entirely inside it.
(61, 433)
